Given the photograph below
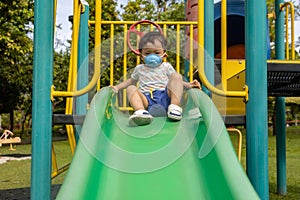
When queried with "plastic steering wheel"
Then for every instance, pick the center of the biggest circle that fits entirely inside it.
(139, 33)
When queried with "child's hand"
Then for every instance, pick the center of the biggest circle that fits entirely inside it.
(195, 84)
(115, 89)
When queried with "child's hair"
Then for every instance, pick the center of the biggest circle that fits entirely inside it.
(151, 37)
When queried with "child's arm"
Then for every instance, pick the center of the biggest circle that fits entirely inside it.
(193, 84)
(124, 84)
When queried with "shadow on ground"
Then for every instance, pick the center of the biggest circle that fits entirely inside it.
(24, 193)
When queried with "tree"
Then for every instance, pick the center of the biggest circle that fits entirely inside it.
(155, 10)
(60, 77)
(109, 13)
(15, 51)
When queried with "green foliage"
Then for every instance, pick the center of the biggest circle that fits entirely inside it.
(138, 10)
(15, 52)
(109, 13)
(158, 10)
(60, 77)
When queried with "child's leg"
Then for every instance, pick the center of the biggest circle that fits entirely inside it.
(175, 91)
(137, 100)
(139, 103)
(175, 88)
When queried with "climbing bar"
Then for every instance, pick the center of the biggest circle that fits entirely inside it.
(240, 138)
(288, 5)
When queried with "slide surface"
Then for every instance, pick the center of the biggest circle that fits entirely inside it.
(185, 160)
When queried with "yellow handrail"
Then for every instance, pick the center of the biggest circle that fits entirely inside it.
(91, 22)
(240, 136)
(284, 61)
(286, 5)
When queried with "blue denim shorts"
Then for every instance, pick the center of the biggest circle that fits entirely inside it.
(158, 100)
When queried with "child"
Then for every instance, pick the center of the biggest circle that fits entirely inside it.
(159, 83)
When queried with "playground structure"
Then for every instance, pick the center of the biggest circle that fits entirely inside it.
(256, 56)
(7, 138)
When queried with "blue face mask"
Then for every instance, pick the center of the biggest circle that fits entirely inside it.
(153, 60)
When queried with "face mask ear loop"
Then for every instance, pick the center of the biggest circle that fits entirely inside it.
(141, 55)
(164, 56)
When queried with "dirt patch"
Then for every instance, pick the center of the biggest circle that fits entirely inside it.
(5, 158)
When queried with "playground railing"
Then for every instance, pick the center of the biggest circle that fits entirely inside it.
(289, 6)
(200, 54)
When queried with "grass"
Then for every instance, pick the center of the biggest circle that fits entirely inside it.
(292, 163)
(16, 174)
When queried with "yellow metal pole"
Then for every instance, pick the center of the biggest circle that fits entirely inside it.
(72, 80)
(293, 29)
(178, 48)
(200, 52)
(54, 15)
(97, 67)
(165, 34)
(125, 63)
(224, 42)
(54, 163)
(111, 54)
(191, 51)
(200, 31)
(76, 21)
(138, 59)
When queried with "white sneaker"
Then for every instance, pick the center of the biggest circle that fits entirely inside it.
(174, 112)
(140, 117)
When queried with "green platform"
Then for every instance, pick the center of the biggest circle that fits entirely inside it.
(186, 160)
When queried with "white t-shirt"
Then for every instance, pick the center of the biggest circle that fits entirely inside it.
(151, 79)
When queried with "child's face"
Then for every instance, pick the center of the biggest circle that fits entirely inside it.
(153, 48)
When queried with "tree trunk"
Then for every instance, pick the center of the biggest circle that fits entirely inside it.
(11, 117)
(23, 126)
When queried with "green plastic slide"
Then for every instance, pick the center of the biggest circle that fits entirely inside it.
(185, 160)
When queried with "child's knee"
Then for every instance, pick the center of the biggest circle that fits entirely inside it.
(176, 77)
(131, 89)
